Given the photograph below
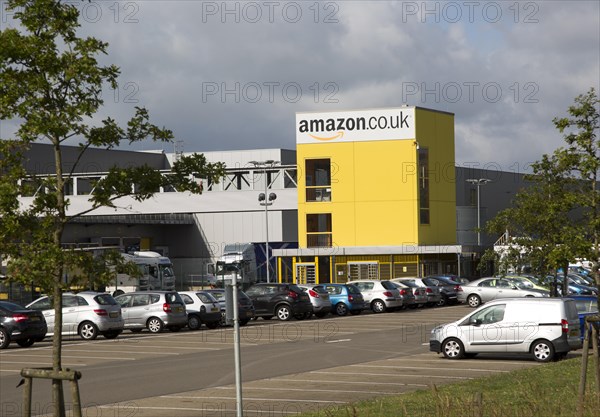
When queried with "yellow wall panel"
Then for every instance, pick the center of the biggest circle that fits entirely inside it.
(374, 194)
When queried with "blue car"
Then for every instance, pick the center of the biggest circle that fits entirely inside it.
(587, 305)
(345, 298)
(574, 288)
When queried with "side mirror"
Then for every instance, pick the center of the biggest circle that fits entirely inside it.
(477, 322)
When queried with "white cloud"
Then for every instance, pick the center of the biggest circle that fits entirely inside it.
(360, 54)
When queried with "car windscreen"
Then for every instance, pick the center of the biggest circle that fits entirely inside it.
(319, 289)
(295, 288)
(206, 298)
(388, 285)
(352, 289)
(11, 306)
(408, 283)
(105, 300)
(173, 297)
(587, 306)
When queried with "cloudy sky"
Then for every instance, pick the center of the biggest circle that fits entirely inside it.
(231, 75)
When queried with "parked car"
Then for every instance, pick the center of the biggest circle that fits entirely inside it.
(379, 295)
(572, 287)
(201, 308)
(319, 298)
(86, 313)
(18, 324)
(345, 298)
(487, 289)
(412, 295)
(546, 328)
(451, 277)
(281, 300)
(449, 288)
(434, 294)
(527, 282)
(153, 310)
(245, 306)
(587, 305)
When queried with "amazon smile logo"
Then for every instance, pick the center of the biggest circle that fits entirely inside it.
(334, 128)
(339, 135)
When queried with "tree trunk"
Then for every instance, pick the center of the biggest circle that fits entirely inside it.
(57, 387)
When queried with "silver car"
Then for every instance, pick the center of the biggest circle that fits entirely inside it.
(415, 296)
(319, 298)
(153, 310)
(486, 289)
(201, 307)
(86, 313)
(380, 295)
(433, 292)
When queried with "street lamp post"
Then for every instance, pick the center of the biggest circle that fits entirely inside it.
(266, 200)
(478, 182)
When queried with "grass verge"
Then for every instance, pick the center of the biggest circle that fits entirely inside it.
(549, 390)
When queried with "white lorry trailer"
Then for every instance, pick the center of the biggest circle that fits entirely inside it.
(156, 274)
(240, 259)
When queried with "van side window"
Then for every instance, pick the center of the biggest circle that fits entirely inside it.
(490, 315)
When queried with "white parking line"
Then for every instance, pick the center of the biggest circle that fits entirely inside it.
(120, 351)
(219, 410)
(316, 381)
(433, 369)
(388, 375)
(338, 340)
(89, 357)
(313, 390)
(478, 360)
(187, 397)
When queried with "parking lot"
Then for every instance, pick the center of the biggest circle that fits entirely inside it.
(288, 367)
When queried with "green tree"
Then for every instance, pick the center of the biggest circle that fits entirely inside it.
(582, 159)
(557, 218)
(51, 84)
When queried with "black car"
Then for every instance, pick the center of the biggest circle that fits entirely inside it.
(448, 287)
(20, 325)
(282, 300)
(245, 306)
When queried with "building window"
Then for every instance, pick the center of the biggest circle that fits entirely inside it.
(318, 180)
(424, 186)
(318, 230)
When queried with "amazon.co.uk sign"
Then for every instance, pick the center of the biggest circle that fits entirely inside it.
(356, 126)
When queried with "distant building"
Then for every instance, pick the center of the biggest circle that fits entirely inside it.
(383, 200)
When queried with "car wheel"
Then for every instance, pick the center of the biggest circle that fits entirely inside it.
(25, 342)
(112, 334)
(453, 349)
(194, 322)
(378, 306)
(473, 300)
(244, 322)
(155, 325)
(213, 324)
(88, 330)
(542, 350)
(443, 301)
(320, 315)
(341, 309)
(283, 313)
(355, 312)
(4, 339)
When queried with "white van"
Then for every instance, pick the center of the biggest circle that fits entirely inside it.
(546, 328)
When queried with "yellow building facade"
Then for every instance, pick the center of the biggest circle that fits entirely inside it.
(376, 194)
